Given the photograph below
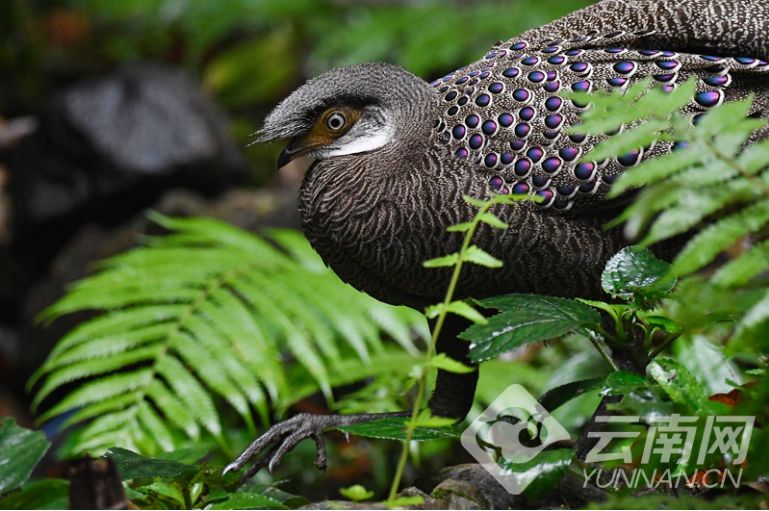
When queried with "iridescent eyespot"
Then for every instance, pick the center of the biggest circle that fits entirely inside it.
(336, 121)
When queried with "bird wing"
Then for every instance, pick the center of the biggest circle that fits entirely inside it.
(507, 113)
(724, 27)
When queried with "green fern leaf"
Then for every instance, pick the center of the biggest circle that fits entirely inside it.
(205, 317)
(713, 240)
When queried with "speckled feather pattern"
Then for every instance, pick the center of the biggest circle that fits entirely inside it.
(507, 114)
(499, 125)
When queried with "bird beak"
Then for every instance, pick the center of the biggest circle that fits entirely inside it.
(297, 147)
(292, 157)
(291, 151)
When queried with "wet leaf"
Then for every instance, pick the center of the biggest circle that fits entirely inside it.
(635, 271)
(680, 385)
(554, 398)
(541, 474)
(20, 451)
(525, 319)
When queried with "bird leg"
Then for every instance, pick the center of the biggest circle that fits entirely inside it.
(453, 397)
(284, 436)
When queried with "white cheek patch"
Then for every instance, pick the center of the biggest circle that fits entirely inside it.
(360, 141)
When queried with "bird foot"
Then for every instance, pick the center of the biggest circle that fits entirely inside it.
(277, 441)
(283, 437)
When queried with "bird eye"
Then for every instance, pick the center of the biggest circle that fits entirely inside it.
(336, 121)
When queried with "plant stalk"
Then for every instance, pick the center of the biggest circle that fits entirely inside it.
(422, 384)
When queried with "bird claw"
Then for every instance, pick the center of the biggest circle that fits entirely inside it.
(282, 438)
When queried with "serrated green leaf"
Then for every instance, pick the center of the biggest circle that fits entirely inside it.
(155, 426)
(754, 320)
(707, 363)
(189, 389)
(478, 203)
(444, 362)
(636, 271)
(716, 119)
(395, 429)
(426, 419)
(443, 261)
(248, 500)
(172, 407)
(491, 219)
(465, 310)
(206, 311)
(711, 241)
(656, 169)
(477, 255)
(525, 319)
(100, 390)
(743, 268)
(680, 385)
(639, 136)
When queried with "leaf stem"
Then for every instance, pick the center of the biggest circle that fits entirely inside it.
(603, 349)
(448, 298)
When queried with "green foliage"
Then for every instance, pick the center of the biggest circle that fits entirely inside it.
(20, 451)
(717, 183)
(634, 273)
(39, 494)
(356, 493)
(204, 316)
(181, 480)
(336, 33)
(526, 319)
(543, 472)
(212, 287)
(715, 176)
(471, 254)
(396, 428)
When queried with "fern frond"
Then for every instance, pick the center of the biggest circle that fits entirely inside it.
(716, 177)
(207, 316)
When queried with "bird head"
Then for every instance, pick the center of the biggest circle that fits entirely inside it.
(348, 110)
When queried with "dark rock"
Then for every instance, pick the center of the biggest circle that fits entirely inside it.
(470, 486)
(108, 148)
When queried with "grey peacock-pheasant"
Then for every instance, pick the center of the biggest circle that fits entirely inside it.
(390, 157)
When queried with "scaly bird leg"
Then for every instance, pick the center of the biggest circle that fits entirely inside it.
(453, 397)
